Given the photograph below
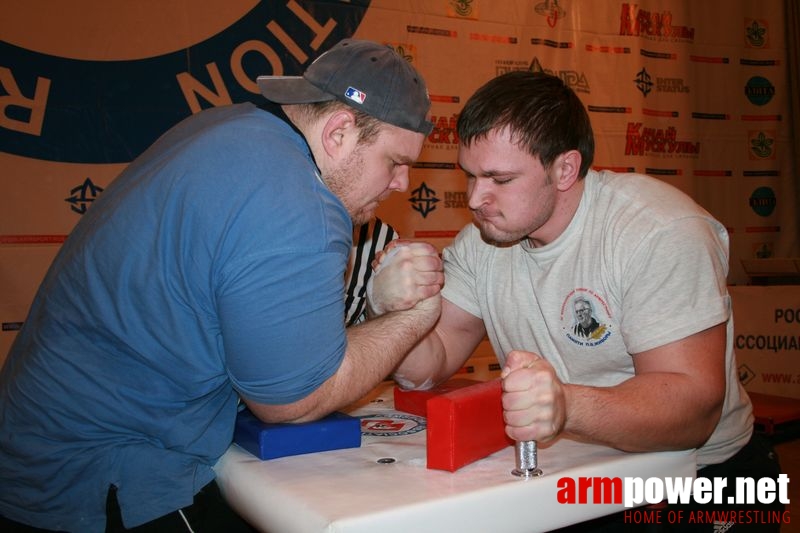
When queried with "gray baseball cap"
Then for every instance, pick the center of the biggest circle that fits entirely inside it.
(365, 75)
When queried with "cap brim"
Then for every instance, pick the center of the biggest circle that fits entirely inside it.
(291, 90)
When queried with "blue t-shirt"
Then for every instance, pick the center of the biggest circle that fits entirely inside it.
(212, 266)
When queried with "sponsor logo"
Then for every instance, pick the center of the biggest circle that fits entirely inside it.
(391, 425)
(671, 85)
(755, 33)
(456, 199)
(423, 200)
(642, 140)
(644, 82)
(761, 144)
(551, 11)
(763, 201)
(444, 135)
(746, 375)
(652, 25)
(503, 66)
(759, 90)
(461, 8)
(82, 196)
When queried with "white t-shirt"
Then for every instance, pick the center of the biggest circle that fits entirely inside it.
(647, 263)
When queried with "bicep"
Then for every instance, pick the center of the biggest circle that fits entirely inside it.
(698, 360)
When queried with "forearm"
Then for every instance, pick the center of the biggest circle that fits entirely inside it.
(673, 401)
(657, 411)
(375, 348)
(424, 366)
(443, 351)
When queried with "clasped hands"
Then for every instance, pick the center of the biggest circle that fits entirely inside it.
(404, 274)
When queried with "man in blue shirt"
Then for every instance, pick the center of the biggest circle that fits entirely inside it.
(211, 270)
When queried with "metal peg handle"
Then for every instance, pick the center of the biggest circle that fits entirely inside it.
(527, 459)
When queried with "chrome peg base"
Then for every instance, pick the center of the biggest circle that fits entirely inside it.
(526, 458)
(536, 472)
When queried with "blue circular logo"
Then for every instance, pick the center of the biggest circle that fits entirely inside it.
(759, 90)
(763, 201)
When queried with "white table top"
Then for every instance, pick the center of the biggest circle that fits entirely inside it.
(351, 491)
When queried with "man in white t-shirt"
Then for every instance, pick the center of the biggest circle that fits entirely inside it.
(553, 240)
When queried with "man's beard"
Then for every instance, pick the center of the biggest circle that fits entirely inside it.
(498, 236)
(341, 180)
(362, 217)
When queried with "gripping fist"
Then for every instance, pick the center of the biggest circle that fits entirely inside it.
(405, 274)
(534, 406)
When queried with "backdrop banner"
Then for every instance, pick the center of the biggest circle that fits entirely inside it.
(693, 93)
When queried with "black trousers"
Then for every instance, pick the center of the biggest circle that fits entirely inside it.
(757, 459)
(209, 513)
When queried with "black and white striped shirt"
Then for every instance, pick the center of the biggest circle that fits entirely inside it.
(368, 240)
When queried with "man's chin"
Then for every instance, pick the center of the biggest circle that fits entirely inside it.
(492, 235)
(362, 217)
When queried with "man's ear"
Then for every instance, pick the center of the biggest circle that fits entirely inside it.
(567, 167)
(340, 134)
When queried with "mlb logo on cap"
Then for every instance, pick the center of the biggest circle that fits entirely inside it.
(355, 95)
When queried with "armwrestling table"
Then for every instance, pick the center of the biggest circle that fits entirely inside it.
(384, 486)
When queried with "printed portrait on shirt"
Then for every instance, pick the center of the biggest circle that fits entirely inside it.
(585, 318)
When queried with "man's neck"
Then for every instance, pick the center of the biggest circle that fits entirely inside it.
(567, 203)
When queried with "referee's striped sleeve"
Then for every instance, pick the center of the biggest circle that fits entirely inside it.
(368, 240)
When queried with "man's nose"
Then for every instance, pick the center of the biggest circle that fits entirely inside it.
(477, 194)
(401, 180)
